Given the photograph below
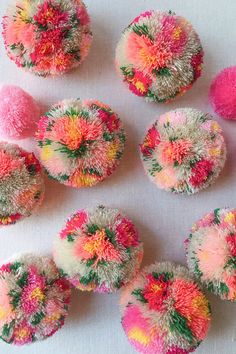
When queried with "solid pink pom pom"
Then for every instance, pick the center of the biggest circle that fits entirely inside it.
(18, 113)
(223, 93)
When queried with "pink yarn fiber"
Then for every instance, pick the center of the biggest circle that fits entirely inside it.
(18, 113)
(222, 93)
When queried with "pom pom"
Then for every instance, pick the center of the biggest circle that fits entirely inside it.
(98, 250)
(159, 56)
(21, 183)
(164, 311)
(184, 151)
(222, 93)
(47, 37)
(80, 142)
(34, 299)
(18, 113)
(211, 252)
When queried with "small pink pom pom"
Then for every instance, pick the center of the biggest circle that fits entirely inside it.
(222, 93)
(18, 113)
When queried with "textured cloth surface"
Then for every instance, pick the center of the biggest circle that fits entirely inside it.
(163, 219)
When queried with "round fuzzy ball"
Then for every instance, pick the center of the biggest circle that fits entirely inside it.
(98, 250)
(34, 299)
(21, 183)
(159, 56)
(211, 252)
(222, 93)
(164, 311)
(18, 113)
(47, 37)
(184, 151)
(80, 142)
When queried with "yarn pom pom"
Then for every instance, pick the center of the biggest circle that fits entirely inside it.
(34, 299)
(184, 151)
(80, 142)
(47, 37)
(18, 113)
(164, 311)
(223, 93)
(98, 250)
(211, 252)
(159, 56)
(21, 183)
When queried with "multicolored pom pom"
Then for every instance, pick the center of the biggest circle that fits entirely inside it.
(211, 252)
(18, 113)
(34, 299)
(80, 142)
(184, 151)
(222, 93)
(159, 56)
(164, 311)
(98, 250)
(47, 37)
(21, 183)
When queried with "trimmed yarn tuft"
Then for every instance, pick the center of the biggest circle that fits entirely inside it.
(80, 142)
(211, 252)
(98, 250)
(164, 311)
(21, 183)
(47, 37)
(19, 113)
(222, 93)
(34, 299)
(183, 151)
(159, 56)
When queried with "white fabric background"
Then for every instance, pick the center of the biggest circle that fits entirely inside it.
(164, 220)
